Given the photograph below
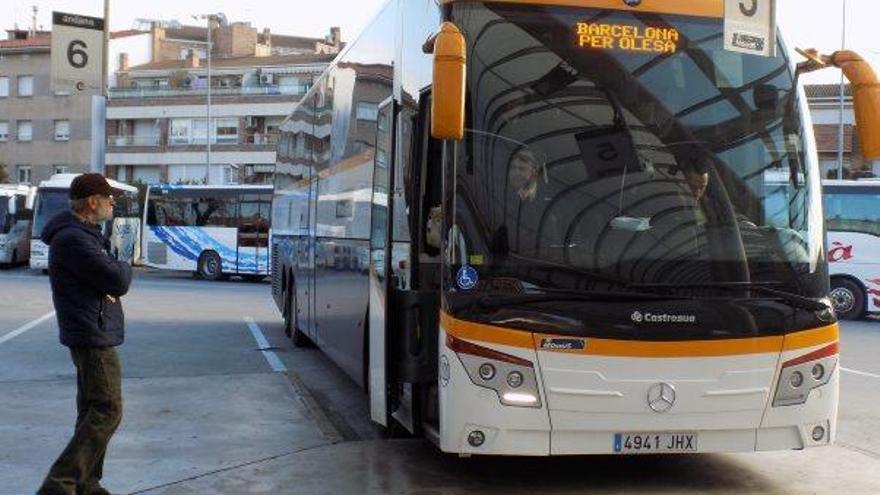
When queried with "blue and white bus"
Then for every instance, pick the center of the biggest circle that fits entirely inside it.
(214, 231)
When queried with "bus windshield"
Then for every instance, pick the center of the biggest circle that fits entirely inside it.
(631, 147)
(50, 202)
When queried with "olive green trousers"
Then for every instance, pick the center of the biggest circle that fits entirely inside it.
(79, 469)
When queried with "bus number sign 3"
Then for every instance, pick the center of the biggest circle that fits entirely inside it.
(750, 26)
(749, 11)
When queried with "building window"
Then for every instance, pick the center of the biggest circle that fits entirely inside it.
(24, 174)
(199, 130)
(227, 131)
(368, 111)
(4, 87)
(229, 175)
(180, 131)
(4, 131)
(61, 169)
(25, 85)
(25, 130)
(62, 130)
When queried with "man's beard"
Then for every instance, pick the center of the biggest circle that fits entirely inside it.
(105, 216)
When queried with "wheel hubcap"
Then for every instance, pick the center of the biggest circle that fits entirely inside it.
(843, 300)
(211, 266)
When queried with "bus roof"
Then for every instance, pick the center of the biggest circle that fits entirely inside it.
(13, 189)
(698, 8)
(63, 181)
(225, 187)
(852, 183)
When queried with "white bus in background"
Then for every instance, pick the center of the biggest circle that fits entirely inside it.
(53, 197)
(213, 231)
(16, 215)
(852, 213)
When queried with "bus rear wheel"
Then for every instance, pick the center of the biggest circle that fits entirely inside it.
(210, 266)
(848, 299)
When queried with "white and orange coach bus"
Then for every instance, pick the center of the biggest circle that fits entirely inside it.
(545, 228)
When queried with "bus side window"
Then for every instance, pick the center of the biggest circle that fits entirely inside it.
(151, 213)
(21, 210)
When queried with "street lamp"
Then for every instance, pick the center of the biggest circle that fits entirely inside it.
(220, 18)
(840, 133)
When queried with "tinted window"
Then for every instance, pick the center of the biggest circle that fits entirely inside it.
(127, 206)
(49, 203)
(4, 210)
(854, 212)
(627, 162)
(189, 211)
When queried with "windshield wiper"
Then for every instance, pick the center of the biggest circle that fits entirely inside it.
(792, 299)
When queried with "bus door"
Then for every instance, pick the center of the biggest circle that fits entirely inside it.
(380, 242)
(253, 233)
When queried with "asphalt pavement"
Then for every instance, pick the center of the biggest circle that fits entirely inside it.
(217, 401)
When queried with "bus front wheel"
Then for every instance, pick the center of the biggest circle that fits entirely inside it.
(848, 299)
(210, 266)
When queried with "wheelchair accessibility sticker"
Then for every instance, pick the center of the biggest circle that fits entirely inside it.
(467, 277)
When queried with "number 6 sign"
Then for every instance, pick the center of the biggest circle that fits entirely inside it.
(750, 26)
(77, 52)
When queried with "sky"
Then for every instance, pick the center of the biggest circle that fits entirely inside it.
(805, 23)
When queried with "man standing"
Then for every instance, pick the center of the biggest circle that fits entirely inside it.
(86, 286)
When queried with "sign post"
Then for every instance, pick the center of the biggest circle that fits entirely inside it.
(77, 53)
(750, 26)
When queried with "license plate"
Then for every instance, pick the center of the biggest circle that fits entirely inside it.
(655, 443)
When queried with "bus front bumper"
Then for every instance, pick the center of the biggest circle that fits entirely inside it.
(474, 422)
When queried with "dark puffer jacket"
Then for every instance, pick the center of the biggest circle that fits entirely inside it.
(87, 283)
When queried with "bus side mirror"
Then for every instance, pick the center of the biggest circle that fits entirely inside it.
(447, 101)
(866, 100)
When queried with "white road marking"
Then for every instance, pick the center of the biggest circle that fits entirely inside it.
(24, 328)
(270, 356)
(860, 373)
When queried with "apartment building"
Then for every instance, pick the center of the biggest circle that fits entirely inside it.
(157, 113)
(43, 132)
(824, 102)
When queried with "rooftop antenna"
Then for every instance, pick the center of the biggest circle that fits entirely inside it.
(34, 21)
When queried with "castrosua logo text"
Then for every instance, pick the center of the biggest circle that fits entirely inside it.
(640, 317)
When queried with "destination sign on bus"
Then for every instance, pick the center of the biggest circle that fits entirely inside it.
(627, 37)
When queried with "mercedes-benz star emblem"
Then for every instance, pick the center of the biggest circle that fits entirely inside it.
(661, 397)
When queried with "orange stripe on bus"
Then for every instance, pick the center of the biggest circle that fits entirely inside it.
(489, 334)
(486, 333)
(812, 338)
(676, 349)
(696, 8)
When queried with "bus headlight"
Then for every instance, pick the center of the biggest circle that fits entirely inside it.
(801, 375)
(487, 372)
(511, 377)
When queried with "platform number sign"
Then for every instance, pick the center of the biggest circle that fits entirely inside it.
(750, 26)
(77, 52)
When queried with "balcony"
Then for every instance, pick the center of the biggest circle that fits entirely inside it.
(166, 92)
(252, 141)
(128, 141)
